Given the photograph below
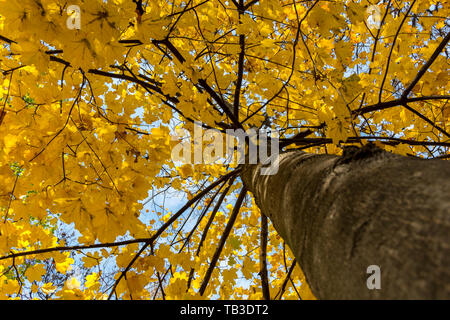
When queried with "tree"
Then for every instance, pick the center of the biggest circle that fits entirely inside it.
(95, 98)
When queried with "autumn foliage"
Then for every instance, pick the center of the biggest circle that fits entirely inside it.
(92, 205)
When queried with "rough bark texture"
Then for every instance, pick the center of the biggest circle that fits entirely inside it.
(340, 215)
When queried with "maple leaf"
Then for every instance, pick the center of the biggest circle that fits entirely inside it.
(89, 116)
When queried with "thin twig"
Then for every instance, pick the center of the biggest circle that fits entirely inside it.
(263, 259)
(223, 239)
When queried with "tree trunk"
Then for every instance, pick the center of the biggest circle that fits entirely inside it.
(340, 215)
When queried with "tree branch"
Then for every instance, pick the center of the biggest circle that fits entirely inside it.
(263, 258)
(425, 67)
(223, 239)
(170, 221)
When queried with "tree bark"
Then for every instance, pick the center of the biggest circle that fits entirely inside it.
(340, 215)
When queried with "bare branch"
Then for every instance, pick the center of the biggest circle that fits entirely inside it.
(263, 258)
(223, 239)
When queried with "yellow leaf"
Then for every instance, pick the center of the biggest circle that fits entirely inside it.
(64, 266)
(34, 273)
